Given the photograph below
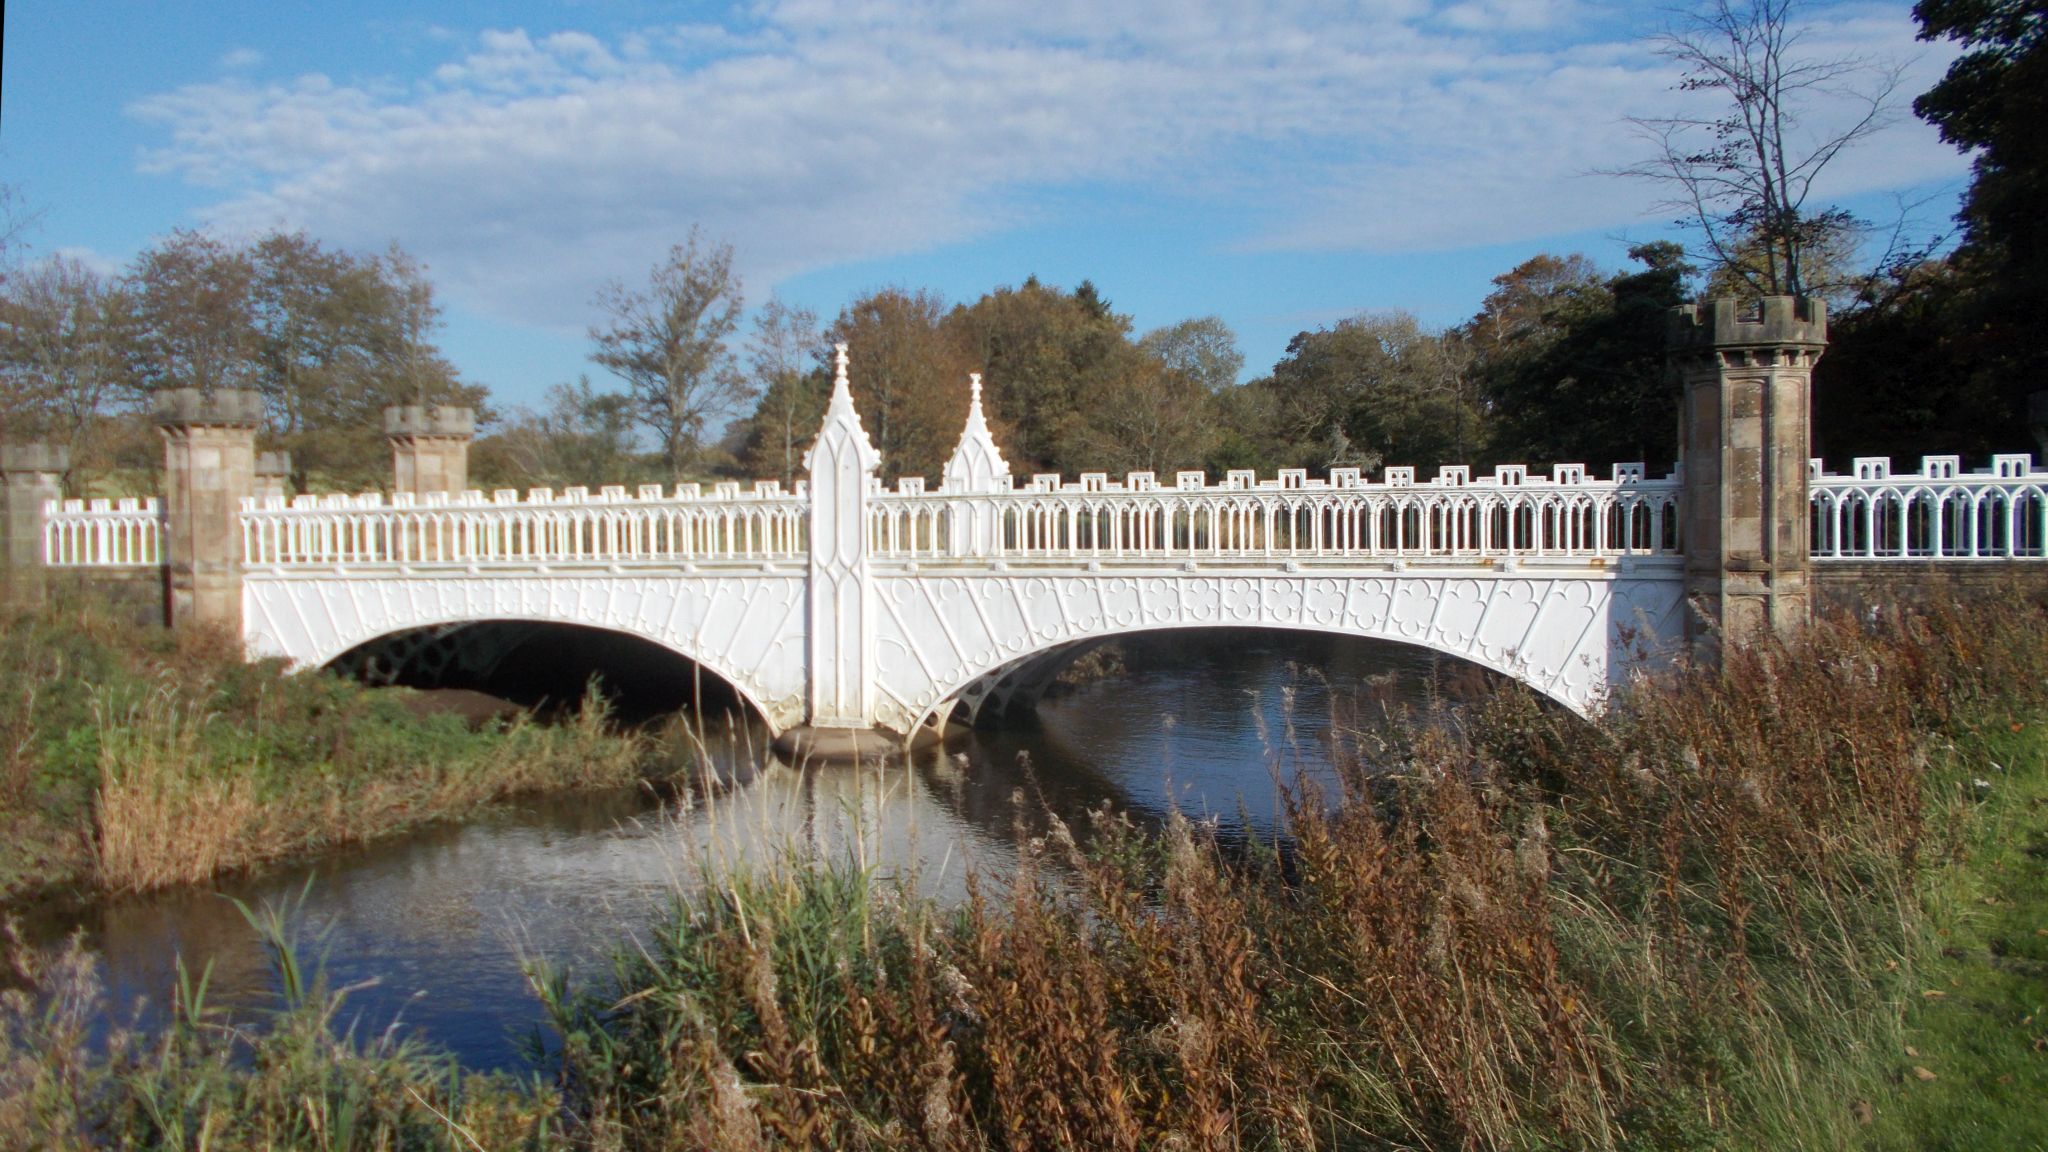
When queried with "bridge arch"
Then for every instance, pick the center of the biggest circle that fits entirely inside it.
(736, 628)
(1561, 634)
(1016, 688)
(547, 665)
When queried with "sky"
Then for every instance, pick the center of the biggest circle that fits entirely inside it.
(1281, 164)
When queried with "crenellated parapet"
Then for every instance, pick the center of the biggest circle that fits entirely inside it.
(429, 447)
(1777, 331)
(1448, 476)
(220, 408)
(429, 420)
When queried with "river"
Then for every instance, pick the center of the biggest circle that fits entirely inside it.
(433, 929)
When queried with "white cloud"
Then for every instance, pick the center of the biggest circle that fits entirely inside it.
(808, 132)
(240, 59)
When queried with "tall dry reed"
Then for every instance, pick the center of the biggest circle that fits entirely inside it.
(137, 758)
(1690, 924)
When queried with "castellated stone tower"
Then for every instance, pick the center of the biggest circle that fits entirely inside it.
(429, 447)
(1743, 445)
(31, 473)
(209, 469)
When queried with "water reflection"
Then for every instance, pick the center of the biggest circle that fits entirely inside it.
(438, 924)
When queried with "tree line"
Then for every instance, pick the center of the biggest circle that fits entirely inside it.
(327, 337)
(1564, 360)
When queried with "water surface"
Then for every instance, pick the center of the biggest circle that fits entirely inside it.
(436, 926)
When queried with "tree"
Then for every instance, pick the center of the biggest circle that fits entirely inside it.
(14, 221)
(61, 363)
(1203, 350)
(318, 321)
(1589, 385)
(579, 435)
(1743, 176)
(786, 358)
(1994, 100)
(667, 342)
(1047, 355)
(1376, 388)
(411, 313)
(1528, 302)
(1149, 418)
(337, 338)
(193, 320)
(908, 376)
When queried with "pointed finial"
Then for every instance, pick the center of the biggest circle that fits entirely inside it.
(840, 360)
(977, 461)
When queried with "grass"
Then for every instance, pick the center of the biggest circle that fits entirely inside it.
(1972, 1068)
(1696, 924)
(1709, 921)
(133, 758)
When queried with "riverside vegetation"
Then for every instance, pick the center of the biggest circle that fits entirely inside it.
(132, 757)
(1794, 903)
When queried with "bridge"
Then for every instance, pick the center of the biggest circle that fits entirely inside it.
(849, 605)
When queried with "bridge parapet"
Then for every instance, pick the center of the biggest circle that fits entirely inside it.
(1508, 515)
(1937, 513)
(126, 533)
(505, 531)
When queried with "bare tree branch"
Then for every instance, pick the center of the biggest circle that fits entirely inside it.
(1744, 180)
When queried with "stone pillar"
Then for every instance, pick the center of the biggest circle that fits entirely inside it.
(32, 473)
(1744, 441)
(273, 472)
(209, 469)
(429, 447)
(842, 633)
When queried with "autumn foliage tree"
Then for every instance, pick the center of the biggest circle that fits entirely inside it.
(908, 376)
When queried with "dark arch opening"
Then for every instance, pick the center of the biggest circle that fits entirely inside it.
(545, 667)
(1368, 667)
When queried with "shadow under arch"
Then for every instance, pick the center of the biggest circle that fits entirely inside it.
(544, 665)
(1013, 690)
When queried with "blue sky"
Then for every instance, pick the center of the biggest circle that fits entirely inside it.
(1279, 163)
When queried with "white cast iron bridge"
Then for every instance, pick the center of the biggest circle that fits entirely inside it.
(848, 604)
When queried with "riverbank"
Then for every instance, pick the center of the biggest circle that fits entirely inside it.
(1711, 920)
(1696, 924)
(132, 757)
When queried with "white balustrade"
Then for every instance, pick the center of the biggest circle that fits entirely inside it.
(543, 528)
(1940, 512)
(1937, 513)
(103, 533)
(1510, 514)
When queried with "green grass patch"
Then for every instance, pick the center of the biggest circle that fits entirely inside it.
(1971, 1071)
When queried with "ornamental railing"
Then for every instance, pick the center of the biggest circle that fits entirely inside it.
(103, 533)
(573, 527)
(1510, 515)
(1937, 513)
